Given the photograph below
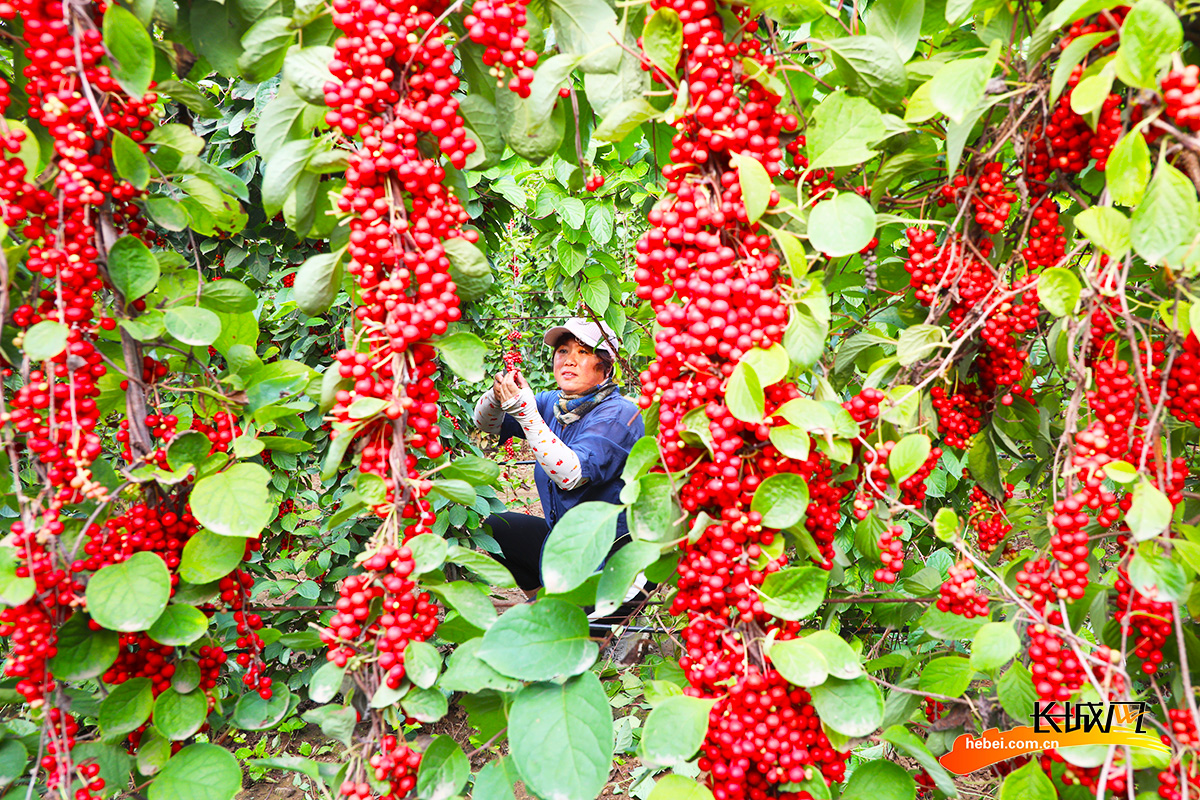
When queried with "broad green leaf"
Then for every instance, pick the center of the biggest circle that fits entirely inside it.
(306, 69)
(283, 169)
(467, 672)
(127, 706)
(326, 682)
(561, 737)
(958, 87)
(179, 625)
(130, 161)
(589, 30)
(782, 499)
(471, 602)
(756, 185)
(208, 557)
(662, 38)
(919, 342)
(82, 652)
(850, 707)
(794, 593)
(199, 772)
(624, 119)
(1128, 169)
(483, 565)
(841, 130)
(193, 325)
(180, 715)
(1150, 34)
(469, 268)
(744, 394)
(539, 642)
(948, 675)
(880, 780)
(253, 712)
(45, 340)
(235, 502)
(1166, 219)
(264, 48)
(945, 524)
(317, 283)
(908, 456)
(1028, 783)
(14, 591)
(675, 730)
(132, 51)
(897, 22)
(132, 267)
(422, 663)
(619, 573)
(228, 296)
(1150, 514)
(944, 625)
(994, 645)
(444, 770)
(912, 746)
(799, 661)
(1107, 228)
(677, 787)
(870, 67)
(130, 595)
(463, 352)
(841, 226)
(1016, 692)
(1092, 91)
(840, 659)
(577, 545)
(1059, 290)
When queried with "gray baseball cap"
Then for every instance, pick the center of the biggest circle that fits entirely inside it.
(592, 334)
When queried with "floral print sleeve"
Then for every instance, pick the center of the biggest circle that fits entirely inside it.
(560, 461)
(489, 416)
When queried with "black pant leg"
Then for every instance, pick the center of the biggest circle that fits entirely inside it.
(520, 537)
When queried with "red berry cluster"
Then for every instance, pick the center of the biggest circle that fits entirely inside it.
(499, 25)
(513, 357)
(987, 518)
(959, 593)
(1147, 620)
(1182, 382)
(891, 553)
(763, 735)
(992, 202)
(405, 615)
(397, 260)
(960, 414)
(1181, 96)
(716, 290)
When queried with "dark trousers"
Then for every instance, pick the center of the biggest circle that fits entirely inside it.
(521, 538)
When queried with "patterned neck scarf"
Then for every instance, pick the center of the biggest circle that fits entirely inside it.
(570, 408)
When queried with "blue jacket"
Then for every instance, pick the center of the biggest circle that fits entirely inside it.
(602, 439)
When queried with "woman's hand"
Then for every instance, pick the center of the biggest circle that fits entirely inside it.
(508, 385)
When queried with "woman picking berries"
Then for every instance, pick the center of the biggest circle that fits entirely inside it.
(580, 434)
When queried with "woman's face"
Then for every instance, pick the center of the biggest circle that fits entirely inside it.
(577, 369)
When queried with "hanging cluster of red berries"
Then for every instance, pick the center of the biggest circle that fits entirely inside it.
(987, 518)
(960, 593)
(394, 96)
(716, 290)
(67, 220)
(398, 260)
(499, 25)
(405, 615)
(512, 356)
(1147, 621)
